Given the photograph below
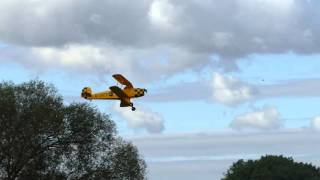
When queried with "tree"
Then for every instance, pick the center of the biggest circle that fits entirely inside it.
(272, 167)
(41, 138)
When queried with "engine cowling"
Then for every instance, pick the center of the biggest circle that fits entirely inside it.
(139, 92)
(86, 92)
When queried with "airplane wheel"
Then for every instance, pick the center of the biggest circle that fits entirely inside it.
(133, 108)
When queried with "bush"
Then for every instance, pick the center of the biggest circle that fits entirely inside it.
(272, 168)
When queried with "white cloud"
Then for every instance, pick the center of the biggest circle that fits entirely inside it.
(142, 118)
(83, 58)
(315, 123)
(230, 91)
(268, 118)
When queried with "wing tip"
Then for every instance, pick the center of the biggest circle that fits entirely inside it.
(117, 75)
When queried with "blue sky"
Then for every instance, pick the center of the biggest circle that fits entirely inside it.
(212, 69)
(199, 115)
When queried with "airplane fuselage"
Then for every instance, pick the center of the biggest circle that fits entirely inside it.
(109, 95)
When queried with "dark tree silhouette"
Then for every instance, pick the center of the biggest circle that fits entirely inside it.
(41, 138)
(272, 167)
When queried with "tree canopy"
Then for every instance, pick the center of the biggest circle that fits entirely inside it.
(42, 138)
(272, 167)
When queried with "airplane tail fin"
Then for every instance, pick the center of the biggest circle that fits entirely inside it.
(86, 92)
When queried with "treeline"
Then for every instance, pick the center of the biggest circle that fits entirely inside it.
(42, 138)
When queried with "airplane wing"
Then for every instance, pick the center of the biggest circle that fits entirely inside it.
(121, 79)
(125, 100)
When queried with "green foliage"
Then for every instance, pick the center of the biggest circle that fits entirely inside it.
(272, 167)
(41, 138)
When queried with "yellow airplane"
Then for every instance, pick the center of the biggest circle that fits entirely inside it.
(116, 93)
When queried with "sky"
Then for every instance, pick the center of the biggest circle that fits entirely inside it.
(226, 80)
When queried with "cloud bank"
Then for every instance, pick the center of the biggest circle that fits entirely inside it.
(208, 156)
(231, 91)
(159, 36)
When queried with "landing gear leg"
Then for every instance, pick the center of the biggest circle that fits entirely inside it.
(132, 107)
